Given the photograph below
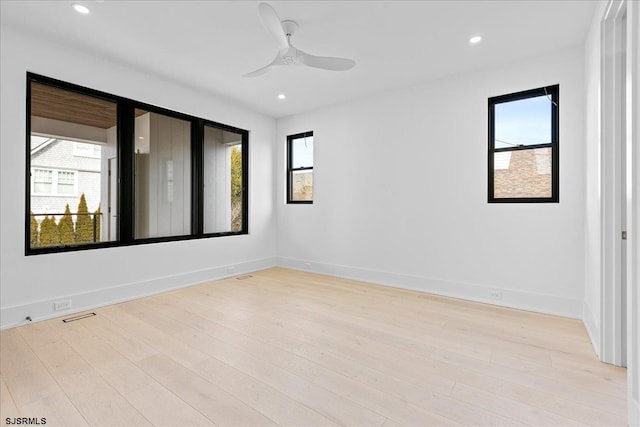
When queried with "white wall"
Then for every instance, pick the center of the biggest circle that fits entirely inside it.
(593, 178)
(30, 284)
(401, 193)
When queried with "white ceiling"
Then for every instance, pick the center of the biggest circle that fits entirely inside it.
(210, 44)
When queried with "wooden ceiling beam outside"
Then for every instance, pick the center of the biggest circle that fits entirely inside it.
(67, 106)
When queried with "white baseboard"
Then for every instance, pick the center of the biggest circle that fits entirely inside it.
(541, 303)
(42, 310)
(12, 316)
(592, 328)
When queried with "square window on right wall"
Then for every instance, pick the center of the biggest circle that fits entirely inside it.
(523, 147)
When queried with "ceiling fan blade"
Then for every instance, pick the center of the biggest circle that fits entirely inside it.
(325, 62)
(272, 23)
(264, 69)
(258, 72)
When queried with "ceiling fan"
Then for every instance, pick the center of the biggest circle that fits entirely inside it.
(288, 55)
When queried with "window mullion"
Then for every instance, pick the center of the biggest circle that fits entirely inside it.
(197, 177)
(126, 172)
(523, 147)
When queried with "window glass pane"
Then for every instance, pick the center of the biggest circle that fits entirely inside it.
(302, 152)
(66, 182)
(522, 173)
(302, 185)
(70, 197)
(83, 149)
(162, 175)
(523, 122)
(223, 184)
(42, 181)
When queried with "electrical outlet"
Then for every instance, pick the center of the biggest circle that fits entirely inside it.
(62, 305)
(495, 294)
(307, 266)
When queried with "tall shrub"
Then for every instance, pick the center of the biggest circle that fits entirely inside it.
(84, 223)
(236, 189)
(33, 234)
(49, 235)
(65, 227)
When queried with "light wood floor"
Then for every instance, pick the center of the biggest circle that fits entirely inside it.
(298, 349)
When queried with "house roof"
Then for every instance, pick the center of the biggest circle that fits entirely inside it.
(40, 142)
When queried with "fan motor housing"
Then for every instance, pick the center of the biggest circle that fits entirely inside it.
(289, 27)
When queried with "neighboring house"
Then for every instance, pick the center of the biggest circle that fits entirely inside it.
(524, 173)
(302, 186)
(61, 171)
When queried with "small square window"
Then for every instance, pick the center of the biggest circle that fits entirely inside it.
(66, 182)
(523, 146)
(42, 181)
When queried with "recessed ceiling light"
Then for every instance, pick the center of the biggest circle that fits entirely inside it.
(475, 39)
(80, 8)
(282, 96)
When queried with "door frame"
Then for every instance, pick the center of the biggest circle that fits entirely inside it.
(612, 143)
(633, 211)
(611, 198)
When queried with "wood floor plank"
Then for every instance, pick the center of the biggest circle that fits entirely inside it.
(554, 386)
(216, 404)
(152, 336)
(342, 385)
(34, 391)
(26, 377)
(510, 407)
(391, 366)
(290, 348)
(122, 374)
(94, 398)
(332, 406)
(163, 408)
(8, 408)
(154, 402)
(125, 341)
(57, 409)
(269, 401)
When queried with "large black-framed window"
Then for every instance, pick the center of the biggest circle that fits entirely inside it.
(300, 168)
(103, 170)
(523, 157)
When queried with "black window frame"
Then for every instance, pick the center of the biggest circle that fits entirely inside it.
(126, 186)
(291, 169)
(553, 93)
